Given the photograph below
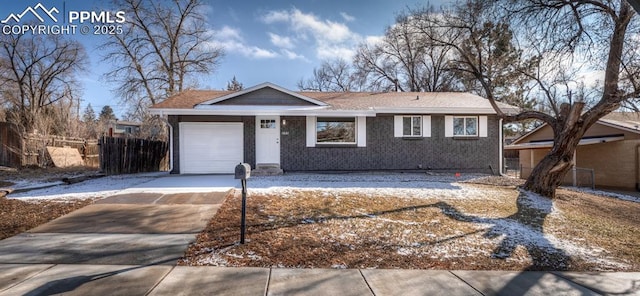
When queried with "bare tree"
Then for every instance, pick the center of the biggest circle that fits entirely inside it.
(404, 60)
(563, 28)
(333, 75)
(165, 47)
(38, 79)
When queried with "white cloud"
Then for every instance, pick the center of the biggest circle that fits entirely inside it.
(281, 41)
(591, 78)
(227, 33)
(328, 37)
(231, 40)
(332, 52)
(275, 16)
(293, 56)
(347, 17)
(373, 40)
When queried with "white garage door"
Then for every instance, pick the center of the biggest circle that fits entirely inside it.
(210, 147)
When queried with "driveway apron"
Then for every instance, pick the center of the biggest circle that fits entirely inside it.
(137, 227)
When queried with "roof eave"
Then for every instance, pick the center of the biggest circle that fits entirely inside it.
(435, 110)
(264, 112)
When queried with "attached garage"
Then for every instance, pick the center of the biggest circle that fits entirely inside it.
(210, 147)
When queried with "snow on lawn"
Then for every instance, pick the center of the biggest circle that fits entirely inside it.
(606, 193)
(411, 185)
(508, 232)
(94, 188)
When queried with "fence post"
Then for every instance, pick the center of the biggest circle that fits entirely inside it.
(520, 172)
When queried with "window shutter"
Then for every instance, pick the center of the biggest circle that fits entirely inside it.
(311, 131)
(361, 125)
(426, 126)
(397, 126)
(482, 127)
(448, 126)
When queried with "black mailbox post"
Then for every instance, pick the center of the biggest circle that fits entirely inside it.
(243, 172)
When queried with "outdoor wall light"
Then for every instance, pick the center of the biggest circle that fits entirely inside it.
(284, 122)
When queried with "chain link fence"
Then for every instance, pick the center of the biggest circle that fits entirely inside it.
(511, 166)
(577, 177)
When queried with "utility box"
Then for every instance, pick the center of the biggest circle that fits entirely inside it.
(243, 171)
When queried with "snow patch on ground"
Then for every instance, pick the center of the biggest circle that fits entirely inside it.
(606, 193)
(412, 185)
(94, 188)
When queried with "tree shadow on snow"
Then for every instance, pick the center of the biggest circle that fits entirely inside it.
(523, 228)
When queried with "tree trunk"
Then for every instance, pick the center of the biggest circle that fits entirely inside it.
(550, 172)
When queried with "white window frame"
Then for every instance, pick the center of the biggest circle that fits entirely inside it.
(483, 130)
(411, 117)
(355, 131)
(361, 132)
(465, 126)
(425, 126)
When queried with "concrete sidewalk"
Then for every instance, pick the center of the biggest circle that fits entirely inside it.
(44, 279)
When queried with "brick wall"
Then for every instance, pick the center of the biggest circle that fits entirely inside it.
(385, 152)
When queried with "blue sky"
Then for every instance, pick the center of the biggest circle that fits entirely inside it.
(275, 41)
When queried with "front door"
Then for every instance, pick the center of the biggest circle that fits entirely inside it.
(268, 140)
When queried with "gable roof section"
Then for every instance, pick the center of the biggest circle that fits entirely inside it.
(624, 121)
(262, 86)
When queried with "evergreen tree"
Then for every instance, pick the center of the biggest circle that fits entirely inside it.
(234, 85)
(107, 114)
(89, 116)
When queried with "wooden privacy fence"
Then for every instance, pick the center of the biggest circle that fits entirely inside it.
(35, 149)
(10, 146)
(18, 150)
(131, 155)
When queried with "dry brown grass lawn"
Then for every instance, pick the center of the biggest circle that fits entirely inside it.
(345, 229)
(17, 216)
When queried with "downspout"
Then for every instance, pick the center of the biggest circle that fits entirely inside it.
(501, 150)
(574, 174)
(638, 167)
(161, 117)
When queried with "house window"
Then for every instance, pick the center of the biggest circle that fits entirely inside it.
(267, 123)
(465, 126)
(412, 126)
(336, 130)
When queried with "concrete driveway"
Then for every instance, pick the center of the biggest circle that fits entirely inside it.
(149, 224)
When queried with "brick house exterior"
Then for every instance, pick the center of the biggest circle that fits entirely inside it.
(611, 148)
(368, 131)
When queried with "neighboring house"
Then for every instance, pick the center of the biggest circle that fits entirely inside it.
(611, 147)
(119, 128)
(269, 126)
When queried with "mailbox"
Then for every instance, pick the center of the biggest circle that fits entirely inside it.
(243, 171)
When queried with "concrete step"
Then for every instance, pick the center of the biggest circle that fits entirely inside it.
(267, 169)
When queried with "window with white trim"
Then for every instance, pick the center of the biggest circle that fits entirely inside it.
(336, 130)
(412, 126)
(465, 126)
